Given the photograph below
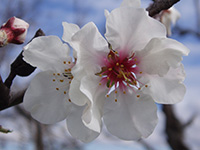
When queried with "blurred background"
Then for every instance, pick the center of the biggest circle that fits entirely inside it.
(28, 134)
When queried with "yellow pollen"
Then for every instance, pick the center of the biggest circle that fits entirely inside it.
(54, 74)
(110, 69)
(136, 63)
(140, 72)
(100, 75)
(109, 56)
(66, 70)
(108, 78)
(54, 80)
(138, 96)
(124, 92)
(64, 62)
(117, 64)
(65, 92)
(100, 83)
(139, 88)
(135, 59)
(115, 100)
(57, 89)
(122, 66)
(146, 86)
(58, 74)
(116, 92)
(69, 82)
(69, 100)
(69, 62)
(61, 80)
(116, 52)
(107, 95)
(69, 69)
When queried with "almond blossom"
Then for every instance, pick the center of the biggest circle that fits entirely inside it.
(13, 31)
(122, 80)
(47, 97)
(168, 18)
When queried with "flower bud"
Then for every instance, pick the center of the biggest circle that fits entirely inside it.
(13, 31)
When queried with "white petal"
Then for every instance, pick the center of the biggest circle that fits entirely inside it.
(69, 30)
(168, 89)
(160, 54)
(44, 102)
(131, 3)
(130, 118)
(96, 97)
(76, 127)
(75, 94)
(106, 13)
(131, 29)
(47, 53)
(91, 47)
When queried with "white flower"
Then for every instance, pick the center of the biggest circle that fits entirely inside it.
(47, 97)
(13, 31)
(168, 18)
(123, 82)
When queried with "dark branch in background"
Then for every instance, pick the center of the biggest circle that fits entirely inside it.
(158, 5)
(175, 129)
(18, 67)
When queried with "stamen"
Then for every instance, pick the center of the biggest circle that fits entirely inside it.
(57, 89)
(122, 66)
(109, 56)
(64, 62)
(115, 92)
(138, 96)
(61, 80)
(107, 95)
(110, 69)
(117, 64)
(69, 62)
(99, 83)
(115, 100)
(58, 74)
(66, 70)
(124, 92)
(65, 92)
(69, 100)
(54, 74)
(140, 72)
(146, 86)
(54, 80)
(69, 69)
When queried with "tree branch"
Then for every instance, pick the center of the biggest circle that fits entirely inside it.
(160, 5)
(18, 67)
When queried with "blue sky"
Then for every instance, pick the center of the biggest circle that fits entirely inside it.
(49, 17)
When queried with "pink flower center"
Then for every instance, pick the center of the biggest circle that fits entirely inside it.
(120, 71)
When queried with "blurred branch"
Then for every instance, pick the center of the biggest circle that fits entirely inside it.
(174, 129)
(3, 130)
(158, 5)
(18, 67)
(181, 31)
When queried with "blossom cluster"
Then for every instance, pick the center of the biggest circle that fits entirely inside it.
(116, 80)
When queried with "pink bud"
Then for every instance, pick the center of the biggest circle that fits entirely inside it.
(13, 31)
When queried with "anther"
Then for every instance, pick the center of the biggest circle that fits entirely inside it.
(54, 80)
(116, 52)
(139, 88)
(61, 80)
(124, 92)
(146, 86)
(54, 74)
(66, 70)
(115, 100)
(122, 66)
(69, 69)
(135, 59)
(110, 69)
(69, 62)
(108, 78)
(64, 62)
(115, 92)
(109, 56)
(65, 92)
(69, 82)
(57, 89)
(100, 83)
(117, 64)
(138, 96)
(58, 74)
(107, 95)
(69, 100)
(140, 72)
